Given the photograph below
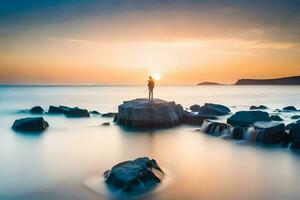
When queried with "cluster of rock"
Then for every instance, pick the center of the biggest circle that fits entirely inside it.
(157, 113)
(255, 126)
(134, 177)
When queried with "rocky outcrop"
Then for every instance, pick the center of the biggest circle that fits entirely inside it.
(145, 113)
(289, 108)
(213, 109)
(261, 107)
(276, 118)
(246, 118)
(30, 124)
(69, 112)
(136, 176)
(268, 132)
(195, 118)
(36, 110)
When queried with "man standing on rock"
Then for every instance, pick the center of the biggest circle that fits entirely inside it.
(151, 84)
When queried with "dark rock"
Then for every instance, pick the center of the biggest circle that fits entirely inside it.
(95, 112)
(261, 107)
(237, 133)
(145, 113)
(277, 110)
(58, 110)
(295, 145)
(30, 124)
(195, 108)
(195, 119)
(269, 132)
(293, 80)
(246, 118)
(77, 112)
(294, 131)
(36, 110)
(106, 124)
(214, 109)
(289, 108)
(276, 118)
(215, 128)
(295, 117)
(136, 176)
(109, 114)
(68, 111)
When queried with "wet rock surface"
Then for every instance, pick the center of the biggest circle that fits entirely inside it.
(145, 113)
(109, 114)
(30, 124)
(95, 112)
(295, 117)
(106, 124)
(294, 131)
(276, 118)
(269, 132)
(215, 128)
(246, 118)
(136, 176)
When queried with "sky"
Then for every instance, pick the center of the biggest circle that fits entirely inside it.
(123, 41)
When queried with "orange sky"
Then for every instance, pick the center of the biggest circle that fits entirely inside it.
(185, 47)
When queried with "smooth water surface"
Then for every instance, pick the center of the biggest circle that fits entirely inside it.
(56, 164)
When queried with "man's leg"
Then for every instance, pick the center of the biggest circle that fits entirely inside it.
(149, 94)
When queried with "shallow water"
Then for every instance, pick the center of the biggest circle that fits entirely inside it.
(56, 164)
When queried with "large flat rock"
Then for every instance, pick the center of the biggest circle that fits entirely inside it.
(145, 113)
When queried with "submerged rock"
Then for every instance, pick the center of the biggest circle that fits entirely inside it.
(246, 118)
(276, 118)
(261, 107)
(109, 114)
(269, 132)
(214, 109)
(289, 108)
(36, 110)
(30, 124)
(195, 119)
(145, 113)
(136, 176)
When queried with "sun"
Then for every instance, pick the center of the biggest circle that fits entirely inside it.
(155, 76)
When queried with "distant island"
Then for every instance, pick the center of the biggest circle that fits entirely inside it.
(209, 83)
(293, 80)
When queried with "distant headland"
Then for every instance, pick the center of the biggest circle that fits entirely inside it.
(292, 80)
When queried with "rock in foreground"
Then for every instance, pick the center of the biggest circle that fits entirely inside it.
(246, 118)
(145, 113)
(214, 109)
(136, 176)
(30, 124)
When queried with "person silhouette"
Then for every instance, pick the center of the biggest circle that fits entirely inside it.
(151, 84)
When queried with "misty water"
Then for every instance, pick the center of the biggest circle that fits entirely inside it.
(56, 164)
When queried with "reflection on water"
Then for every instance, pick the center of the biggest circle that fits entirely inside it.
(56, 164)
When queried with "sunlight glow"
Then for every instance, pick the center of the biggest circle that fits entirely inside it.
(156, 76)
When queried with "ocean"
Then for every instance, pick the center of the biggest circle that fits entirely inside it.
(57, 163)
